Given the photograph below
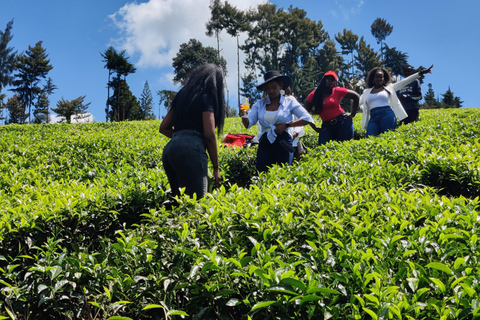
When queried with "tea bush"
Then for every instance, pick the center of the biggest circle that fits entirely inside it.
(377, 228)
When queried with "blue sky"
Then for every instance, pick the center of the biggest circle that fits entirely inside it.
(75, 32)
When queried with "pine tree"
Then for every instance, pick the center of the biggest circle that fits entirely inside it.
(366, 58)
(430, 100)
(348, 44)
(450, 101)
(116, 63)
(380, 31)
(7, 61)
(33, 66)
(394, 60)
(40, 114)
(328, 58)
(16, 110)
(146, 102)
(7, 57)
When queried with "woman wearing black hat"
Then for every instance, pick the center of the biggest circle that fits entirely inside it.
(274, 115)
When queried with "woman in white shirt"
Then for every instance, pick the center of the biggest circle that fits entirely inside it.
(274, 115)
(380, 104)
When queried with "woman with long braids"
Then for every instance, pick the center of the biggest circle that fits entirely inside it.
(337, 125)
(198, 108)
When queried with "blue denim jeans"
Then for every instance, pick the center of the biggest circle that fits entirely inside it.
(338, 129)
(273, 153)
(381, 120)
(185, 162)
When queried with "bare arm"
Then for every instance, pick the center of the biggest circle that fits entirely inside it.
(209, 137)
(166, 127)
(295, 123)
(352, 95)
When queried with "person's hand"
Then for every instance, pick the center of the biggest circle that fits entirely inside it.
(279, 128)
(241, 111)
(216, 177)
(429, 70)
(314, 127)
(349, 116)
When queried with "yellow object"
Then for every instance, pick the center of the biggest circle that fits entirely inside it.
(245, 105)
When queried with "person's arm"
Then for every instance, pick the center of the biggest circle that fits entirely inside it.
(210, 139)
(402, 83)
(303, 118)
(166, 127)
(352, 95)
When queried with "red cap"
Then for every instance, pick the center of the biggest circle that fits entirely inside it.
(331, 73)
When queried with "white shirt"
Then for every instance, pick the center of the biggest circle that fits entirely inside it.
(289, 107)
(270, 116)
(379, 99)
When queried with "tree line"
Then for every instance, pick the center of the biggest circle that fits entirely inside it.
(27, 74)
(288, 41)
(276, 39)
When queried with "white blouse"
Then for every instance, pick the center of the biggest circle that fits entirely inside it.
(379, 99)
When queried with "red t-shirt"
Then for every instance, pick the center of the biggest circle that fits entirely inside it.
(331, 104)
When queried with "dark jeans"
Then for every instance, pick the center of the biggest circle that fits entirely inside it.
(273, 153)
(338, 129)
(412, 116)
(185, 162)
(381, 120)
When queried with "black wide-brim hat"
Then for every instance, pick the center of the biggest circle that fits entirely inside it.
(274, 75)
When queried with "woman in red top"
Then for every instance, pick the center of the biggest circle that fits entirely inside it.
(325, 101)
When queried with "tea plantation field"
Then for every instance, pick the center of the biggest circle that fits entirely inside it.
(378, 228)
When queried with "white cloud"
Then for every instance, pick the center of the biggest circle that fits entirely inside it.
(152, 32)
(348, 7)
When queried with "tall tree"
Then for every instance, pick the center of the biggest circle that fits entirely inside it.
(41, 113)
(328, 58)
(381, 30)
(430, 101)
(301, 36)
(348, 43)
(394, 60)
(281, 40)
(118, 64)
(69, 109)
(16, 110)
(263, 47)
(308, 78)
(42, 106)
(32, 67)
(110, 57)
(7, 57)
(146, 102)
(233, 21)
(192, 54)
(450, 101)
(215, 24)
(366, 58)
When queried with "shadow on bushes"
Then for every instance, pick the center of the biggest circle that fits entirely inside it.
(452, 179)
